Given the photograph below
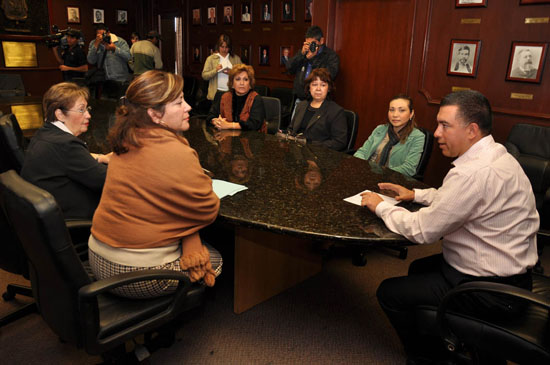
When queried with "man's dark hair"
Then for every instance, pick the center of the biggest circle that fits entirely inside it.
(101, 26)
(314, 32)
(473, 107)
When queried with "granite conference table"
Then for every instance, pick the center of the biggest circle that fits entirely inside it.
(294, 199)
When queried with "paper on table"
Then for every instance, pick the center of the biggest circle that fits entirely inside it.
(356, 199)
(223, 188)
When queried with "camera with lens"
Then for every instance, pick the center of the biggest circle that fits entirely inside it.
(59, 37)
(313, 47)
(106, 38)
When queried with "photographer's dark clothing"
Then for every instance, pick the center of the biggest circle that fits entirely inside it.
(73, 57)
(302, 67)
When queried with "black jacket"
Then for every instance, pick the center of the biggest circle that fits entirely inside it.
(61, 164)
(328, 126)
(298, 65)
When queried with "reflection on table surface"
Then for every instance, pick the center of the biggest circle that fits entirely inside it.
(293, 188)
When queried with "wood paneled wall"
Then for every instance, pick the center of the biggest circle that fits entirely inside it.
(388, 47)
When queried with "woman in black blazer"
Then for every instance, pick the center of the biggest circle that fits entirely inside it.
(58, 161)
(318, 119)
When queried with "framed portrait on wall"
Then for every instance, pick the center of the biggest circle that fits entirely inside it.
(196, 16)
(211, 15)
(122, 17)
(285, 54)
(287, 10)
(463, 58)
(228, 14)
(99, 16)
(246, 53)
(527, 2)
(73, 15)
(246, 12)
(264, 56)
(526, 61)
(266, 14)
(196, 56)
(309, 10)
(470, 3)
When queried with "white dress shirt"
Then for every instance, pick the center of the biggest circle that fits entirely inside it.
(485, 211)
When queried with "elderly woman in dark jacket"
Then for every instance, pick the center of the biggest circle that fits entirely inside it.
(318, 119)
(58, 161)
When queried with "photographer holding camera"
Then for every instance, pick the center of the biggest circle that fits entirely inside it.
(71, 56)
(314, 54)
(111, 54)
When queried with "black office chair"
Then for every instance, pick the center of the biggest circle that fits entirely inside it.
(13, 260)
(190, 87)
(530, 145)
(522, 338)
(287, 97)
(11, 85)
(272, 113)
(426, 153)
(79, 310)
(11, 144)
(202, 104)
(263, 90)
(352, 120)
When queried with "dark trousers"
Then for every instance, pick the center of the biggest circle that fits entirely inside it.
(427, 282)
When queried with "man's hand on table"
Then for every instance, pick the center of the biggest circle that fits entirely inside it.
(371, 200)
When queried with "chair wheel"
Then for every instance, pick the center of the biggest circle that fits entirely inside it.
(7, 296)
(359, 259)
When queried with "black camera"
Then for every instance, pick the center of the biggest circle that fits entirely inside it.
(313, 47)
(106, 38)
(59, 38)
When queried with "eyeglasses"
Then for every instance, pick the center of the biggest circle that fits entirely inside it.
(81, 110)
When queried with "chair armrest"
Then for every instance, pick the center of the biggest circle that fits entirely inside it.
(480, 286)
(78, 224)
(90, 291)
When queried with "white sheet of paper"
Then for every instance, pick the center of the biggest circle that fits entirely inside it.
(356, 199)
(224, 188)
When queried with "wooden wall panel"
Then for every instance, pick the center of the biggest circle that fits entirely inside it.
(436, 23)
(373, 41)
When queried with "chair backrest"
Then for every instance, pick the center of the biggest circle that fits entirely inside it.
(426, 153)
(531, 140)
(11, 143)
(56, 272)
(263, 90)
(272, 113)
(352, 120)
(11, 85)
(190, 88)
(286, 96)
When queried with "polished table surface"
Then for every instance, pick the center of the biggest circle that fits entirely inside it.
(277, 200)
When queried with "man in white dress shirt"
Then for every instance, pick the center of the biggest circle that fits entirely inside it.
(485, 211)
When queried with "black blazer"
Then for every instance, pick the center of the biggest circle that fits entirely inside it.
(328, 126)
(61, 164)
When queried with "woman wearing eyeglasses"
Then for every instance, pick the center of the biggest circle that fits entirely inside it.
(58, 161)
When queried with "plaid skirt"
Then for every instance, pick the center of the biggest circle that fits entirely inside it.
(103, 268)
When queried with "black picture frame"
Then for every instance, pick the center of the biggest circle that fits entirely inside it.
(228, 14)
(246, 54)
(122, 16)
(264, 61)
(98, 16)
(196, 53)
(196, 16)
(266, 14)
(308, 12)
(288, 11)
(212, 15)
(283, 59)
(246, 17)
